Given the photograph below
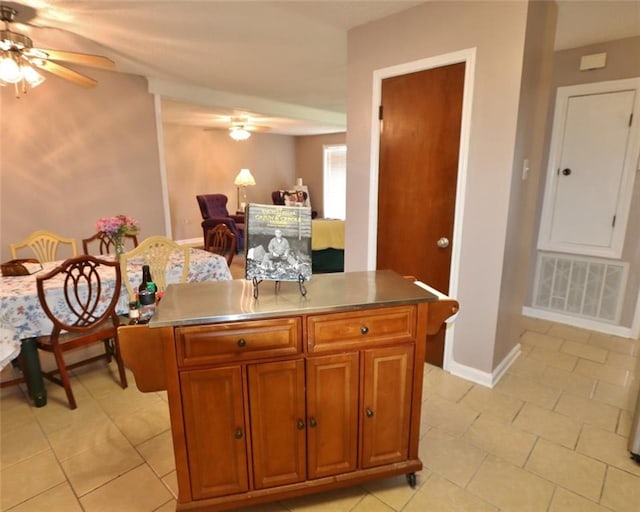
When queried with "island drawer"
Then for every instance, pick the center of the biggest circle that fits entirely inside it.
(234, 341)
(338, 331)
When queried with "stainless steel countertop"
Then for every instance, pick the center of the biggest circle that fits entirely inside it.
(224, 301)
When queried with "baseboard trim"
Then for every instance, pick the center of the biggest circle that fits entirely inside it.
(485, 379)
(583, 323)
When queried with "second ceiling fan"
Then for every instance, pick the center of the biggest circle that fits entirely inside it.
(242, 126)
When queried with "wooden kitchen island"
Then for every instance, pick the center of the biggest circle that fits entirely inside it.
(285, 395)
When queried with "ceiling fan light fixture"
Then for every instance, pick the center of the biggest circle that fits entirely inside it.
(9, 68)
(19, 60)
(239, 133)
(31, 76)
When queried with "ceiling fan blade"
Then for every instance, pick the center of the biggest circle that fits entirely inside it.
(66, 73)
(257, 128)
(85, 59)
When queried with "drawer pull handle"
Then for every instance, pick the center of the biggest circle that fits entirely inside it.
(300, 424)
(242, 342)
(369, 413)
(312, 422)
(364, 330)
(239, 434)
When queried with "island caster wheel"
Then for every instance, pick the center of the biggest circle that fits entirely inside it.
(411, 480)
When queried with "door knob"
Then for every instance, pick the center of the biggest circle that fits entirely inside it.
(443, 243)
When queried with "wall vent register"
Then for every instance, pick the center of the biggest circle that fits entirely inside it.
(580, 286)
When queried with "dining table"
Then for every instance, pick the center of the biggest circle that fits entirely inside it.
(22, 318)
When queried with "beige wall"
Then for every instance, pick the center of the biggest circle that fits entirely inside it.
(623, 61)
(309, 164)
(532, 118)
(207, 161)
(496, 30)
(71, 155)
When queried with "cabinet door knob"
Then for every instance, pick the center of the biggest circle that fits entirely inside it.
(300, 424)
(364, 330)
(242, 342)
(239, 433)
(369, 413)
(312, 422)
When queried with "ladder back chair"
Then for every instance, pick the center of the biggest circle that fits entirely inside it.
(80, 296)
(106, 244)
(155, 251)
(45, 245)
(221, 240)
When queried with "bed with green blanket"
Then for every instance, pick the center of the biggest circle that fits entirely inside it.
(327, 245)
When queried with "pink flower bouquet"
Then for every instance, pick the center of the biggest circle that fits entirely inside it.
(118, 226)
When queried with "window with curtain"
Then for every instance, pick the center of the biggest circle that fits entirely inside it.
(335, 181)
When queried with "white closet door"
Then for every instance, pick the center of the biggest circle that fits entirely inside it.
(590, 173)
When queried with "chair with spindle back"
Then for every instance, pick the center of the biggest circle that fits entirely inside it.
(220, 240)
(45, 245)
(155, 251)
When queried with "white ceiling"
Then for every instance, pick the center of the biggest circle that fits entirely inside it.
(283, 62)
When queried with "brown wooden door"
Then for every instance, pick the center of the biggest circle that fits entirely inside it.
(332, 414)
(419, 145)
(277, 405)
(386, 405)
(215, 431)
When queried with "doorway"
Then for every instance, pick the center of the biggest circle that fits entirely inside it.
(396, 203)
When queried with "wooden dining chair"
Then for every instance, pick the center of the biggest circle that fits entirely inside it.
(45, 245)
(221, 240)
(155, 251)
(79, 296)
(106, 244)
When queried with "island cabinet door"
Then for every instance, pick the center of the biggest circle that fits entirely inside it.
(385, 416)
(332, 414)
(215, 431)
(277, 408)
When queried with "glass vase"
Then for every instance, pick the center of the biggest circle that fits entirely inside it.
(119, 246)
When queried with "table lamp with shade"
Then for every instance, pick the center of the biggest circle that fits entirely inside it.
(244, 179)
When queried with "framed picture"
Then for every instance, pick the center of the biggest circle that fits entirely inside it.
(278, 242)
(296, 198)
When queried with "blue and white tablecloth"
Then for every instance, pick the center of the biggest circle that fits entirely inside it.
(22, 317)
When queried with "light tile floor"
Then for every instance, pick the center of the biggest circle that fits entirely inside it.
(551, 436)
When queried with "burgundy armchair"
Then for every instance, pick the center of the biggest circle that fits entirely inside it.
(213, 208)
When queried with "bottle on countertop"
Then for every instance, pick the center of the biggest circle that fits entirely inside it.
(134, 313)
(147, 282)
(147, 295)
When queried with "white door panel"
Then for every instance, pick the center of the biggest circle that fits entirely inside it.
(591, 166)
(594, 149)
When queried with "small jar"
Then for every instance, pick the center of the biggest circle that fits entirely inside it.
(134, 314)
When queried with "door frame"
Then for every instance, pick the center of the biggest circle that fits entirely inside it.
(468, 56)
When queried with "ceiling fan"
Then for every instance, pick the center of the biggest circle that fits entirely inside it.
(242, 126)
(19, 59)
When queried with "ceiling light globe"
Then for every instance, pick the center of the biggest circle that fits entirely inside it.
(239, 134)
(33, 78)
(9, 70)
